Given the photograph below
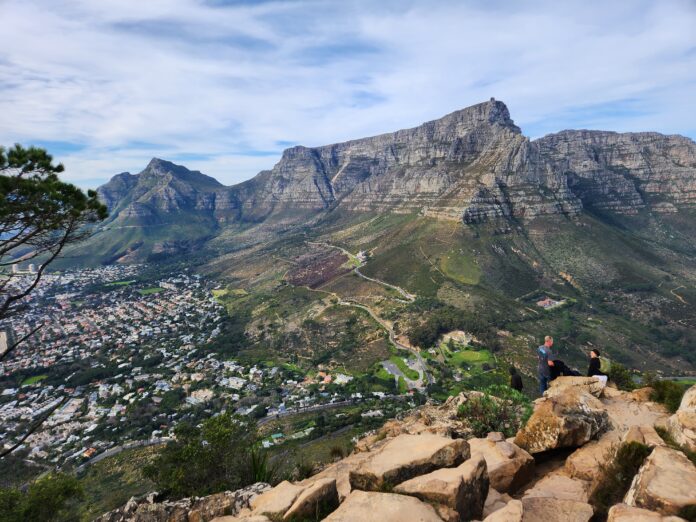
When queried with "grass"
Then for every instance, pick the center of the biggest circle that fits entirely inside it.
(151, 290)
(471, 357)
(121, 283)
(461, 268)
(401, 364)
(33, 379)
(110, 483)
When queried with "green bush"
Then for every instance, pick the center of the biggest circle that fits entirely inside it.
(669, 393)
(47, 499)
(621, 376)
(218, 456)
(617, 470)
(500, 408)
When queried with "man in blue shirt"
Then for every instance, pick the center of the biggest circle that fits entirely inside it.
(545, 358)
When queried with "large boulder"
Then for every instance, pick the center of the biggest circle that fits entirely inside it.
(340, 471)
(666, 482)
(682, 425)
(383, 507)
(509, 466)
(463, 488)
(405, 457)
(320, 497)
(560, 486)
(625, 513)
(566, 420)
(277, 501)
(561, 385)
(646, 435)
(512, 512)
(586, 463)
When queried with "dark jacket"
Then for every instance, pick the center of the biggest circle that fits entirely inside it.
(593, 369)
(516, 382)
(560, 368)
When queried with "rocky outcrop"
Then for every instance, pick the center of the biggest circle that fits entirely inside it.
(185, 510)
(405, 457)
(567, 418)
(625, 513)
(464, 488)
(682, 425)
(665, 483)
(385, 507)
(509, 466)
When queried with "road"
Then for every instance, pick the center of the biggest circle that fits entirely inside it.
(295, 411)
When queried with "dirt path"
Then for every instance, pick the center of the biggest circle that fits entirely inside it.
(681, 299)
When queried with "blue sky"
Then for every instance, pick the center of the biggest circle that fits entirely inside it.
(224, 86)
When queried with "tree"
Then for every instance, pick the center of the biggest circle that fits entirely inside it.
(48, 498)
(39, 216)
(215, 457)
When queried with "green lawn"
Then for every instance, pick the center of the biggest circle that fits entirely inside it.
(401, 364)
(33, 379)
(152, 290)
(121, 283)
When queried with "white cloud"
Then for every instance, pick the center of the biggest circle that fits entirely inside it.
(109, 84)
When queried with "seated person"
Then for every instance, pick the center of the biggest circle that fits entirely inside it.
(595, 364)
(560, 368)
(515, 379)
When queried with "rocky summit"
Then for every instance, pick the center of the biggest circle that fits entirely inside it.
(414, 470)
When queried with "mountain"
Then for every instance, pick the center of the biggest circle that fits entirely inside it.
(464, 211)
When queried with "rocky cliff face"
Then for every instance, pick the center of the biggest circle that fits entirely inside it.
(435, 471)
(472, 165)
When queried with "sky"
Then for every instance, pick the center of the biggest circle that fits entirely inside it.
(223, 86)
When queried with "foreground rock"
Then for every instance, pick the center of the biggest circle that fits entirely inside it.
(405, 457)
(665, 483)
(537, 509)
(644, 435)
(682, 425)
(187, 509)
(383, 507)
(291, 501)
(463, 488)
(568, 419)
(560, 486)
(625, 513)
(561, 385)
(509, 466)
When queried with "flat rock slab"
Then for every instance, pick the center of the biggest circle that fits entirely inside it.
(317, 498)
(562, 384)
(567, 420)
(538, 509)
(341, 472)
(275, 502)
(682, 425)
(495, 501)
(625, 513)
(512, 512)
(666, 482)
(509, 466)
(463, 488)
(405, 457)
(562, 487)
(584, 463)
(382, 507)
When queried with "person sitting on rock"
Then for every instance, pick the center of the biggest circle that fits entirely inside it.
(515, 379)
(560, 368)
(595, 364)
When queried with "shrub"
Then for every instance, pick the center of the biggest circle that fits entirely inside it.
(336, 452)
(621, 376)
(499, 408)
(206, 460)
(47, 499)
(617, 470)
(669, 393)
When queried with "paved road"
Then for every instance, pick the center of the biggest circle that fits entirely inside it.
(296, 411)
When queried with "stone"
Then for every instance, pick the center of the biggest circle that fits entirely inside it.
(253, 518)
(463, 488)
(277, 501)
(666, 482)
(644, 435)
(584, 463)
(557, 485)
(340, 471)
(570, 419)
(537, 509)
(641, 394)
(382, 507)
(317, 498)
(560, 385)
(509, 466)
(495, 501)
(682, 425)
(512, 512)
(625, 513)
(405, 457)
